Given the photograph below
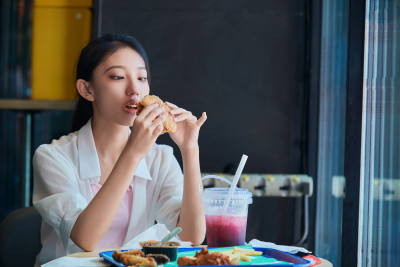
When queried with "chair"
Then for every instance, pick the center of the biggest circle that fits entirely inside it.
(20, 238)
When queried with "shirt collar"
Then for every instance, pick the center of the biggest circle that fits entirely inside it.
(89, 165)
(142, 171)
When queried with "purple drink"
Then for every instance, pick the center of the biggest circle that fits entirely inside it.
(225, 230)
(226, 225)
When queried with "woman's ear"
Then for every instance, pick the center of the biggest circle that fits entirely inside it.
(84, 89)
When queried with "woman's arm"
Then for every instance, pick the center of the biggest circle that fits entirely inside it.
(94, 222)
(192, 218)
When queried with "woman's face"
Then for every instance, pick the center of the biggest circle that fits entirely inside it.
(120, 80)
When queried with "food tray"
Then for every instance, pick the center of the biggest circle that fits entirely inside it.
(276, 258)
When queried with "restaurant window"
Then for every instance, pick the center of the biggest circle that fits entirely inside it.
(379, 225)
(331, 132)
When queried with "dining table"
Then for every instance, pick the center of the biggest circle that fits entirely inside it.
(95, 253)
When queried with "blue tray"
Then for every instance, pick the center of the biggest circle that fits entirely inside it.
(286, 259)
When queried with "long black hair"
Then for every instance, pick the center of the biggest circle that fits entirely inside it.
(91, 56)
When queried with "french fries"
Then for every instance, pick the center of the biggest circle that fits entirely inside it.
(247, 251)
(244, 258)
(241, 253)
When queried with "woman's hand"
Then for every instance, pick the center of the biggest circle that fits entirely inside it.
(147, 126)
(187, 134)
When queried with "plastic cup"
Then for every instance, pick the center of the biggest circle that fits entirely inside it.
(226, 227)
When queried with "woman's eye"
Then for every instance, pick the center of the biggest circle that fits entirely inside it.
(117, 77)
(142, 78)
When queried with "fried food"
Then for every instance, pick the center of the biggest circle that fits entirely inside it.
(244, 258)
(117, 254)
(133, 258)
(246, 251)
(169, 123)
(241, 253)
(159, 258)
(169, 249)
(230, 257)
(234, 262)
(215, 258)
(205, 258)
(187, 261)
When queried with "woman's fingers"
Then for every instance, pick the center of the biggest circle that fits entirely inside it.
(184, 116)
(152, 118)
(181, 114)
(146, 111)
(151, 112)
(202, 119)
(171, 105)
(157, 129)
(159, 120)
(177, 111)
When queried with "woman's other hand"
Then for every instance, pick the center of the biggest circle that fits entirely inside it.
(147, 126)
(187, 134)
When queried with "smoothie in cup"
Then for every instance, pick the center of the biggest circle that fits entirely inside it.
(226, 227)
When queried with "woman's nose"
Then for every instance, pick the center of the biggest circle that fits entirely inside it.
(132, 89)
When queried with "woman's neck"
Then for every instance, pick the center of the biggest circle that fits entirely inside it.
(110, 139)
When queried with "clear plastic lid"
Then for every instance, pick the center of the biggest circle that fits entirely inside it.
(217, 195)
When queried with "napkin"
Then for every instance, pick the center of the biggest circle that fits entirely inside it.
(76, 262)
(290, 249)
(155, 232)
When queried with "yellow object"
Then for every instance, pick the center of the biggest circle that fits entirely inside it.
(241, 253)
(61, 28)
(63, 3)
(244, 258)
(246, 251)
(245, 177)
(295, 179)
(270, 178)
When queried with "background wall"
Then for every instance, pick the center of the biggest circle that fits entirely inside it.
(244, 63)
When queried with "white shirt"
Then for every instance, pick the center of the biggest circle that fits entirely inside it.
(63, 173)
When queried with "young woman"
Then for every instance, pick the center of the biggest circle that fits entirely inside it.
(105, 183)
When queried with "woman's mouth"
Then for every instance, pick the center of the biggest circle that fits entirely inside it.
(131, 106)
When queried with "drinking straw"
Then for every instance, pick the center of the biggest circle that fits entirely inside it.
(235, 180)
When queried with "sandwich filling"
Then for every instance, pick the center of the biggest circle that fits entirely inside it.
(131, 106)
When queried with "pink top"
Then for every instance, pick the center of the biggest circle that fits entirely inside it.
(115, 236)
